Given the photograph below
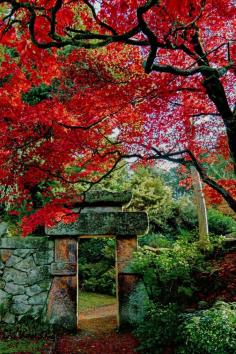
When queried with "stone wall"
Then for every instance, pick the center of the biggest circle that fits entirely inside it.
(25, 277)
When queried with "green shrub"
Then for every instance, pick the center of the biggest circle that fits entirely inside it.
(155, 240)
(209, 331)
(159, 329)
(28, 326)
(96, 278)
(168, 276)
(97, 266)
(184, 216)
(220, 224)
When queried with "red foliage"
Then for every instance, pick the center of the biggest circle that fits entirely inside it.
(48, 216)
(221, 284)
(94, 99)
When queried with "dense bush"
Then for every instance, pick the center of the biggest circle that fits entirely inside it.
(159, 329)
(220, 224)
(209, 331)
(169, 280)
(171, 283)
(97, 265)
(167, 329)
(157, 240)
(168, 276)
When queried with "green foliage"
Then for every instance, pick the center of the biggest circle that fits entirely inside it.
(209, 331)
(155, 240)
(168, 276)
(151, 194)
(21, 346)
(97, 265)
(28, 326)
(5, 305)
(159, 329)
(184, 215)
(220, 224)
(39, 93)
(96, 278)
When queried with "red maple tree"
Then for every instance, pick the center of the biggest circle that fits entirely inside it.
(87, 83)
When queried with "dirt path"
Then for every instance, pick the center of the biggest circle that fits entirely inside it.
(99, 320)
(97, 335)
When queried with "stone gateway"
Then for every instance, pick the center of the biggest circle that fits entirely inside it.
(39, 275)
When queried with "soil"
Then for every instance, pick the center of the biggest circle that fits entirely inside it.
(97, 335)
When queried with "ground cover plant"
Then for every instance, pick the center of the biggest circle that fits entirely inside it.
(8, 346)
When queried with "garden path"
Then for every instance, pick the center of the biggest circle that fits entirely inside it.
(97, 335)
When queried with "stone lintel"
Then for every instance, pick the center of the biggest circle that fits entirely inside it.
(63, 268)
(107, 198)
(109, 223)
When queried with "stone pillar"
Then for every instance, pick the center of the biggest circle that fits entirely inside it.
(62, 300)
(125, 281)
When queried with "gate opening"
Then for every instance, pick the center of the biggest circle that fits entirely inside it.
(97, 307)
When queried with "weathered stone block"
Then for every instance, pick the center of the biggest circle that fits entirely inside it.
(107, 198)
(9, 318)
(15, 276)
(37, 289)
(37, 310)
(21, 308)
(43, 257)
(109, 223)
(126, 286)
(5, 254)
(38, 274)
(24, 243)
(12, 261)
(125, 247)
(21, 298)
(61, 309)
(3, 296)
(14, 289)
(22, 253)
(2, 265)
(3, 228)
(39, 299)
(63, 268)
(25, 264)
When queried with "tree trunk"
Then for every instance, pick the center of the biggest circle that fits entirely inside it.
(204, 242)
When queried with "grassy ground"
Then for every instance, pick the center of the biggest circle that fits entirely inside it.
(89, 301)
(22, 346)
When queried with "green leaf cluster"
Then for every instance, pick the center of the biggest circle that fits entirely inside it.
(209, 331)
(168, 276)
